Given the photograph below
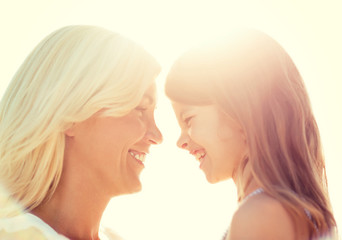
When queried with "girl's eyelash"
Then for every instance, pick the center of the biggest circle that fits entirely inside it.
(187, 120)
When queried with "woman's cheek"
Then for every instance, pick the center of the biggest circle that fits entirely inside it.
(136, 126)
(140, 126)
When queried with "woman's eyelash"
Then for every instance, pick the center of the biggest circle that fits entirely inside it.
(141, 108)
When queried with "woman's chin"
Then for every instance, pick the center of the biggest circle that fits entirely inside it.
(137, 188)
(134, 187)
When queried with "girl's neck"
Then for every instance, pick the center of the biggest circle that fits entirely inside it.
(245, 184)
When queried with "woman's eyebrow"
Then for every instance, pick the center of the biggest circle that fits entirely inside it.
(150, 100)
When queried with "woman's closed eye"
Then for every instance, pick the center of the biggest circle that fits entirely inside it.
(141, 110)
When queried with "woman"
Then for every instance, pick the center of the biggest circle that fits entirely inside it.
(245, 114)
(76, 124)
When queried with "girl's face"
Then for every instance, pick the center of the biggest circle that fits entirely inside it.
(215, 139)
(111, 151)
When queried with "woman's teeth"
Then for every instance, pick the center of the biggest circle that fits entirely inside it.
(138, 156)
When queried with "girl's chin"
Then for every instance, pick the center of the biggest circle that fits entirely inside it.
(211, 179)
(215, 179)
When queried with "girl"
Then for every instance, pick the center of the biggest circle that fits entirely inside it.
(245, 114)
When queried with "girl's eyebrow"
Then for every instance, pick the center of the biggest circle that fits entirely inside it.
(184, 112)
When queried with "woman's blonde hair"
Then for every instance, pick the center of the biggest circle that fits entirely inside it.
(253, 80)
(72, 74)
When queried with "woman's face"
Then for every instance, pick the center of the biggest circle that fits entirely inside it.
(216, 141)
(111, 151)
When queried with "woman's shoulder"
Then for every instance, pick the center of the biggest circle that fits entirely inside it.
(261, 217)
(27, 226)
(23, 234)
(109, 234)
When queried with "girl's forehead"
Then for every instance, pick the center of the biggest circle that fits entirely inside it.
(182, 108)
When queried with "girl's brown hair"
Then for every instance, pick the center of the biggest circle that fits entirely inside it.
(252, 78)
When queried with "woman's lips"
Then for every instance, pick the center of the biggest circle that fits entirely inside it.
(138, 156)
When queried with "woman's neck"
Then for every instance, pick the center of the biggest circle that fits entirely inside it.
(75, 209)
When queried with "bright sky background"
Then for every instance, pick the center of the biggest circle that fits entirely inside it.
(176, 201)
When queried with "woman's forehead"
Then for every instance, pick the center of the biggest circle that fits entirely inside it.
(150, 94)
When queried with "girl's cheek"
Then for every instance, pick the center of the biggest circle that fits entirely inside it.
(197, 134)
(225, 133)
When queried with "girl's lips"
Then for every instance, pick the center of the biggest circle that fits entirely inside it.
(199, 154)
(202, 159)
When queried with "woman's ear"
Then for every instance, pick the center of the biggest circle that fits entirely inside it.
(70, 131)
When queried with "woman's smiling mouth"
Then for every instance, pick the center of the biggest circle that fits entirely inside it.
(138, 156)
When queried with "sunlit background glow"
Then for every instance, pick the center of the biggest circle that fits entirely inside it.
(176, 201)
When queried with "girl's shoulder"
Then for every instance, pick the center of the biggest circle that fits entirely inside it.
(262, 217)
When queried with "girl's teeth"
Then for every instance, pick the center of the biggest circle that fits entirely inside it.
(199, 155)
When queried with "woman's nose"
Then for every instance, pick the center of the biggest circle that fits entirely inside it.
(153, 135)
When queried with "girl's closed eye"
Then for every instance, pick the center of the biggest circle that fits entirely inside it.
(188, 120)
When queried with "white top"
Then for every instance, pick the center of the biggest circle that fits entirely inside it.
(28, 226)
